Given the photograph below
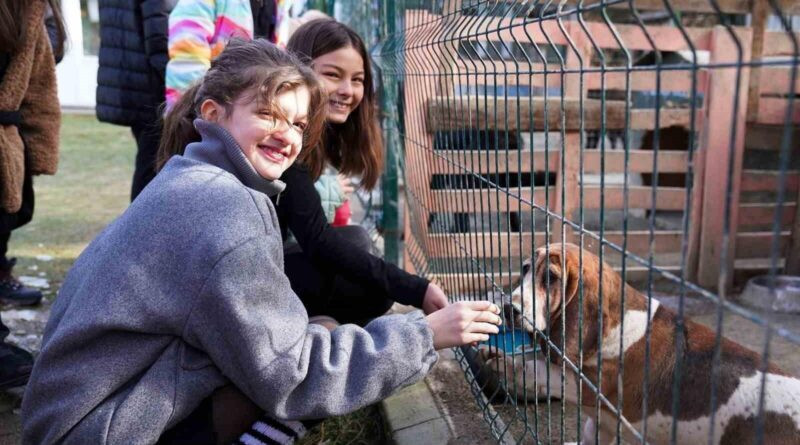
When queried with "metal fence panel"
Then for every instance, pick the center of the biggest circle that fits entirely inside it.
(656, 136)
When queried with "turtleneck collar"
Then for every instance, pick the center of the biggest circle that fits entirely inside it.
(219, 148)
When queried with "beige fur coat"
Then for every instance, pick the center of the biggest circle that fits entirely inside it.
(29, 85)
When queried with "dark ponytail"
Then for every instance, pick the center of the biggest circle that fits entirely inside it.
(256, 70)
(178, 129)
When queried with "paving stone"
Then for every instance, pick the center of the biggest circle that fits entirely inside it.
(410, 406)
(431, 432)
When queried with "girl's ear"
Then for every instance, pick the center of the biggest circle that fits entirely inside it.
(211, 111)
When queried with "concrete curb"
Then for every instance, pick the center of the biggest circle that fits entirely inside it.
(413, 417)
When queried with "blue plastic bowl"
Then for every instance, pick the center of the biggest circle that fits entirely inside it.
(511, 341)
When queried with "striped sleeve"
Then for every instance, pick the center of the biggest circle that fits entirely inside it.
(198, 32)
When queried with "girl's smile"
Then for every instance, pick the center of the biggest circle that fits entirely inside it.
(342, 74)
(271, 141)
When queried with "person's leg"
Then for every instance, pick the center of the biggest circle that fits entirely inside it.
(15, 363)
(307, 282)
(147, 138)
(350, 301)
(228, 416)
(196, 429)
(11, 290)
(325, 293)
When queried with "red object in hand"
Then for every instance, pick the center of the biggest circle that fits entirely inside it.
(342, 215)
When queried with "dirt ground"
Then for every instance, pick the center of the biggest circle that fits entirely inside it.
(516, 424)
(455, 396)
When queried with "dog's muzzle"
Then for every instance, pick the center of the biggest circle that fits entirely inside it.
(511, 312)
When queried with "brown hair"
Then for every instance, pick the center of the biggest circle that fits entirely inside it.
(257, 69)
(354, 147)
(12, 25)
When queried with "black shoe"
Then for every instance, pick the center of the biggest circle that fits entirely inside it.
(14, 292)
(15, 366)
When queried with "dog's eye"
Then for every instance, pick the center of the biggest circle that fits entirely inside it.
(551, 278)
(526, 267)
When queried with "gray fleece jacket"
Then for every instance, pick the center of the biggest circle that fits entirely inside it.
(185, 292)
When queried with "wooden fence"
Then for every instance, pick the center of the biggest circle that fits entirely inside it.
(550, 103)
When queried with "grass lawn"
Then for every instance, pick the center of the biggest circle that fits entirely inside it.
(91, 188)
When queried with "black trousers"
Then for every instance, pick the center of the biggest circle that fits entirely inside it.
(147, 136)
(12, 221)
(324, 292)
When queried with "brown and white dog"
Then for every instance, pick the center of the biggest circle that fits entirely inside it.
(738, 377)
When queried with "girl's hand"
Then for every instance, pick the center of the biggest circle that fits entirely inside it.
(434, 299)
(463, 323)
(346, 185)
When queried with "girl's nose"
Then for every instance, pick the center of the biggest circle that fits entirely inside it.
(282, 131)
(345, 88)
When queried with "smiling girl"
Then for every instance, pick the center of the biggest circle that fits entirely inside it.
(330, 268)
(184, 294)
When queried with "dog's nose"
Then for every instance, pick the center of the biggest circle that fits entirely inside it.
(509, 311)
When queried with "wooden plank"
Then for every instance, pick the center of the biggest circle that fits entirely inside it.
(767, 181)
(763, 214)
(772, 111)
(780, 81)
(792, 266)
(758, 21)
(526, 75)
(769, 137)
(411, 247)
(717, 135)
(680, 81)
(696, 215)
(418, 142)
(483, 244)
(478, 284)
(759, 244)
(501, 161)
(639, 197)
(640, 161)
(472, 201)
(501, 113)
(567, 200)
(666, 38)
(781, 43)
(486, 162)
(499, 29)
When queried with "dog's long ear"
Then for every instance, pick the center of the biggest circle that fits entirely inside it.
(569, 274)
(572, 276)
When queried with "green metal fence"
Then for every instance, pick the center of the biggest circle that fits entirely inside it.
(656, 136)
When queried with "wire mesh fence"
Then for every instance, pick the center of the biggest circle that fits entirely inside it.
(606, 170)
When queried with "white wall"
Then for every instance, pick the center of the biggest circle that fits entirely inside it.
(77, 72)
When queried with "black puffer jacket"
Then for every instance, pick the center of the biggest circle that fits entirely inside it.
(133, 58)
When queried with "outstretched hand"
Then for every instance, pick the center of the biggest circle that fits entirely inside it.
(463, 323)
(346, 185)
(434, 299)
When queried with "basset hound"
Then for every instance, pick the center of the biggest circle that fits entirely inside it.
(548, 296)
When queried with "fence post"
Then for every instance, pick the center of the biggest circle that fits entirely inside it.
(717, 139)
(759, 25)
(568, 178)
(389, 182)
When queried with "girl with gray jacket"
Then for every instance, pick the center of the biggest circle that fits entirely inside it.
(185, 294)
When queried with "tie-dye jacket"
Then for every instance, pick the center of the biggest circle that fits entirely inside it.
(198, 31)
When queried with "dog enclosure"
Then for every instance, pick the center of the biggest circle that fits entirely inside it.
(659, 135)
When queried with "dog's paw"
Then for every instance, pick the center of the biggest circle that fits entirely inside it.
(491, 359)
